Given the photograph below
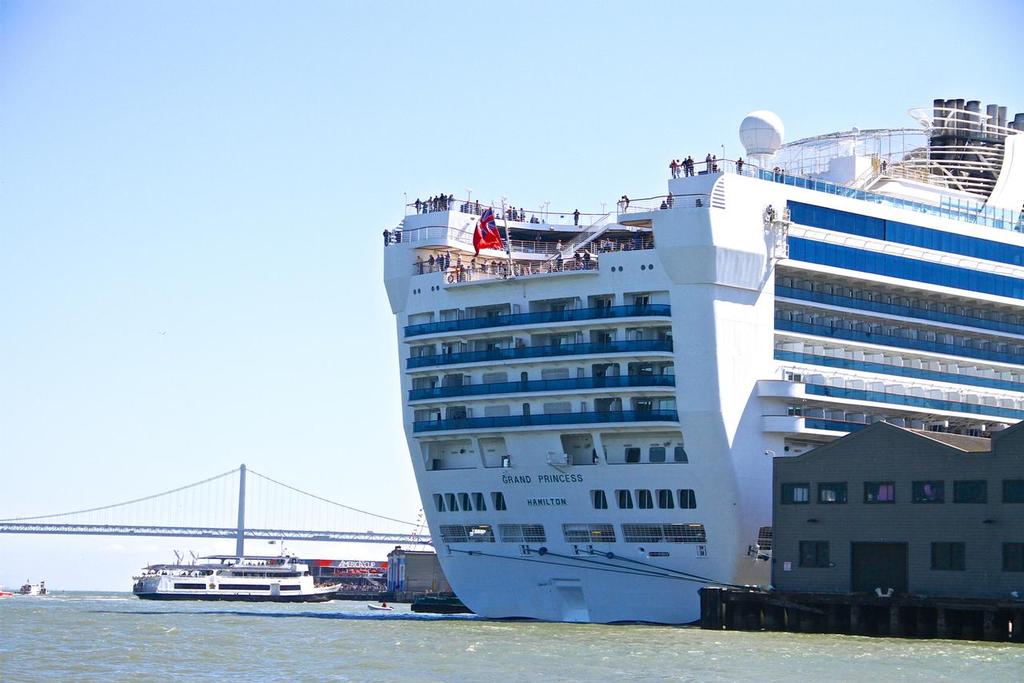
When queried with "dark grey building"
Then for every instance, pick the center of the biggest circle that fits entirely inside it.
(415, 572)
(927, 513)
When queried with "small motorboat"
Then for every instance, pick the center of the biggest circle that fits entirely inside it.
(33, 588)
(382, 607)
(6, 594)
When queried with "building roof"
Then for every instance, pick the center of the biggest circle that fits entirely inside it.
(971, 444)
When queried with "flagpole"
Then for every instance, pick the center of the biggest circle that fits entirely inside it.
(508, 240)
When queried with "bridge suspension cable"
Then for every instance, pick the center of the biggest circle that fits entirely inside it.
(331, 502)
(103, 508)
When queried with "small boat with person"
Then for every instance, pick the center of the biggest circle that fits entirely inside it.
(382, 607)
(29, 588)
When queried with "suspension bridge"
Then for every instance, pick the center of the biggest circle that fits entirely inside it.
(256, 508)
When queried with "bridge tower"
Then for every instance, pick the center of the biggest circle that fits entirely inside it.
(240, 537)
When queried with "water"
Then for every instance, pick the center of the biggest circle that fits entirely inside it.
(116, 637)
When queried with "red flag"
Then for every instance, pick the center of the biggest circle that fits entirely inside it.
(486, 234)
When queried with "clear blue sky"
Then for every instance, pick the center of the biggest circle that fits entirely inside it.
(192, 196)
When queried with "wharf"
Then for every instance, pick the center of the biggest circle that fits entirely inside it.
(899, 616)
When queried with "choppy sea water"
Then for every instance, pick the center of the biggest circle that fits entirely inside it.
(116, 637)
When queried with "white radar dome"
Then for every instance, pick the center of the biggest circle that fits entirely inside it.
(761, 132)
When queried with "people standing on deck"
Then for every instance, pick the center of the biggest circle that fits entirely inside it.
(739, 165)
(690, 165)
(430, 262)
(586, 260)
(670, 200)
(576, 217)
(558, 261)
(387, 237)
(674, 168)
(714, 164)
(418, 204)
(707, 162)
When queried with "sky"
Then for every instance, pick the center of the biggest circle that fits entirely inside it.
(192, 196)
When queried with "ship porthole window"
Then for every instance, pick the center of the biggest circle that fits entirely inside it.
(650, 266)
(643, 267)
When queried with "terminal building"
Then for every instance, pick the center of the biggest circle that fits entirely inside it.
(415, 573)
(889, 510)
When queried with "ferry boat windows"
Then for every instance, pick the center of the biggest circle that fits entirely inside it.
(479, 503)
(1013, 490)
(832, 493)
(928, 492)
(480, 533)
(796, 494)
(498, 498)
(439, 502)
(598, 499)
(656, 454)
(814, 554)
(685, 533)
(680, 455)
(949, 556)
(879, 492)
(624, 499)
(644, 499)
(687, 499)
(642, 533)
(464, 502)
(665, 499)
(632, 454)
(451, 502)
(970, 491)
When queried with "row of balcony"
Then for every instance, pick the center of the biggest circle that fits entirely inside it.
(540, 317)
(899, 342)
(912, 401)
(896, 309)
(898, 370)
(613, 382)
(602, 417)
(519, 352)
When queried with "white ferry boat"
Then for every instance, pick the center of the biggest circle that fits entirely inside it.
(592, 414)
(29, 588)
(226, 577)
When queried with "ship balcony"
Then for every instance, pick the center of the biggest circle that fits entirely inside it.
(549, 385)
(641, 347)
(882, 339)
(798, 294)
(541, 318)
(797, 424)
(660, 417)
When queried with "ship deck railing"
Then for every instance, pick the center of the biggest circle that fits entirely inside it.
(522, 352)
(541, 317)
(954, 208)
(570, 384)
(594, 417)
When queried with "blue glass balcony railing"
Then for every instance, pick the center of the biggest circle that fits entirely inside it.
(1004, 219)
(899, 342)
(544, 420)
(913, 401)
(599, 313)
(894, 309)
(617, 382)
(900, 371)
(834, 425)
(539, 352)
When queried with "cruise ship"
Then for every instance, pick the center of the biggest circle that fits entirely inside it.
(593, 401)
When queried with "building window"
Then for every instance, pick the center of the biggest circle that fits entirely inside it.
(624, 499)
(478, 502)
(796, 494)
(948, 556)
(1013, 557)
(498, 498)
(644, 499)
(632, 455)
(814, 554)
(929, 492)
(832, 493)
(656, 454)
(680, 455)
(970, 491)
(879, 492)
(687, 499)
(1013, 490)
(666, 499)
(599, 500)
(439, 502)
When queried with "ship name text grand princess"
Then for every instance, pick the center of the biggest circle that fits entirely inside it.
(592, 404)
